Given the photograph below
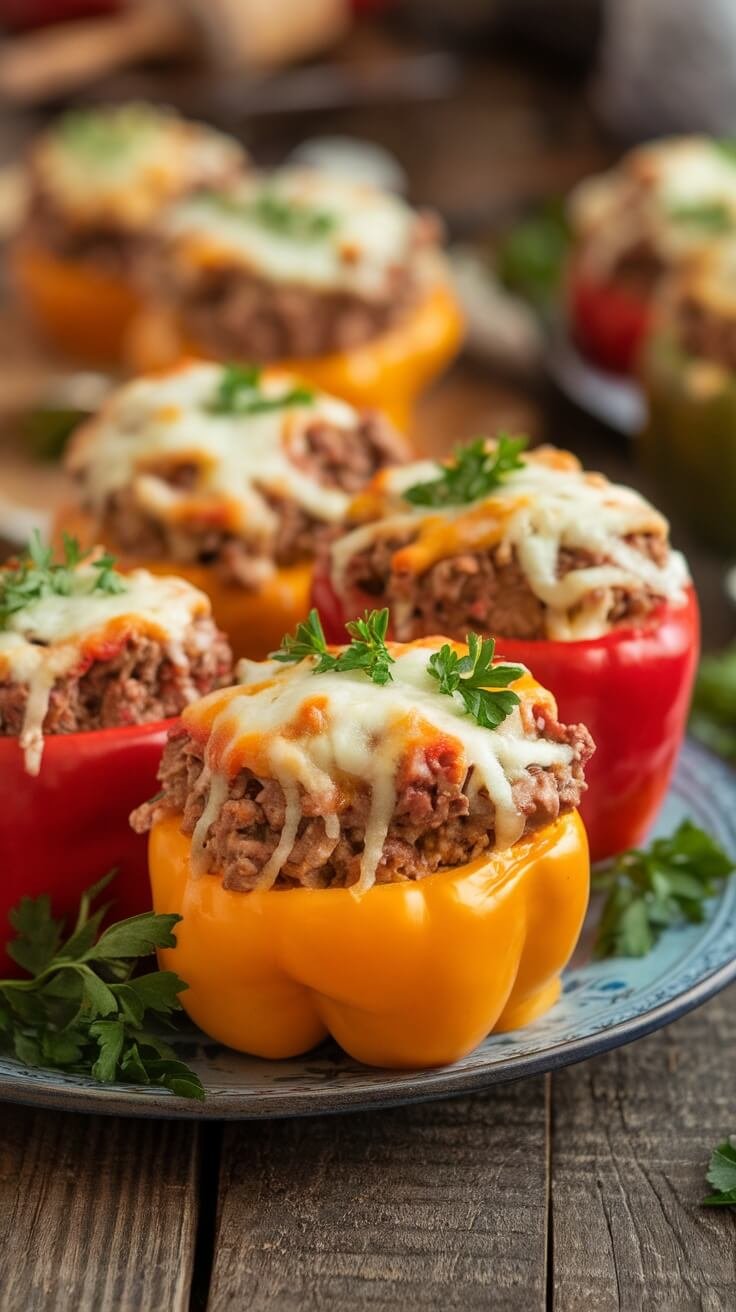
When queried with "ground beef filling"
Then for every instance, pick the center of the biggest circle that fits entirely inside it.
(336, 457)
(111, 250)
(435, 825)
(487, 592)
(706, 334)
(235, 314)
(138, 685)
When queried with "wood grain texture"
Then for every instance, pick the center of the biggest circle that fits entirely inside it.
(436, 1206)
(98, 1215)
(631, 1135)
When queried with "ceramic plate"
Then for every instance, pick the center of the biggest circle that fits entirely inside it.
(617, 402)
(603, 1004)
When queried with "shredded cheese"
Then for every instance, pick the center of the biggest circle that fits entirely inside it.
(48, 638)
(161, 422)
(549, 505)
(121, 165)
(645, 197)
(359, 739)
(368, 234)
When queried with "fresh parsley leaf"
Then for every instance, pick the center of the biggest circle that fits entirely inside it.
(286, 218)
(713, 715)
(308, 640)
(530, 258)
(722, 1175)
(649, 890)
(366, 651)
(37, 575)
(476, 680)
(238, 393)
(727, 147)
(38, 935)
(83, 1010)
(473, 472)
(710, 216)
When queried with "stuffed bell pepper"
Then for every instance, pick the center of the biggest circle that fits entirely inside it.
(97, 181)
(232, 478)
(377, 842)
(658, 209)
(575, 578)
(334, 279)
(689, 379)
(93, 666)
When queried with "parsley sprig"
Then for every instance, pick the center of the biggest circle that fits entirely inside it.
(239, 393)
(83, 1010)
(366, 651)
(473, 472)
(476, 680)
(37, 575)
(288, 218)
(649, 890)
(713, 715)
(709, 216)
(722, 1175)
(473, 678)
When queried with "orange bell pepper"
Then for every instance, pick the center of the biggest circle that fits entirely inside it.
(389, 372)
(80, 308)
(401, 975)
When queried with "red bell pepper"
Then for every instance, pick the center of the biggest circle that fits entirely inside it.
(608, 321)
(632, 689)
(63, 829)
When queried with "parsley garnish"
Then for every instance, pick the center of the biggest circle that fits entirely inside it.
(238, 393)
(37, 576)
(722, 1175)
(83, 1010)
(530, 257)
(711, 216)
(727, 147)
(649, 890)
(103, 135)
(474, 471)
(287, 218)
(713, 715)
(366, 651)
(475, 680)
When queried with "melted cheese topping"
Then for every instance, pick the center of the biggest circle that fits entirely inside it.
(548, 505)
(122, 165)
(639, 200)
(331, 734)
(49, 638)
(370, 235)
(165, 421)
(710, 280)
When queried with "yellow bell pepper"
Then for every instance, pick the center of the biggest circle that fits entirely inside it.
(389, 372)
(402, 975)
(82, 309)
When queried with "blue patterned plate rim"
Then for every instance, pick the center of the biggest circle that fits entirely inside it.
(604, 1005)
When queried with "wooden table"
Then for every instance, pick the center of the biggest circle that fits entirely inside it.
(579, 1191)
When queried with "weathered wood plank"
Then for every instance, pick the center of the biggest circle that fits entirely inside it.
(434, 1207)
(97, 1215)
(631, 1136)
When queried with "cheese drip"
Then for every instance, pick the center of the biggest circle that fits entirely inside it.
(163, 422)
(123, 164)
(366, 235)
(330, 734)
(47, 639)
(549, 505)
